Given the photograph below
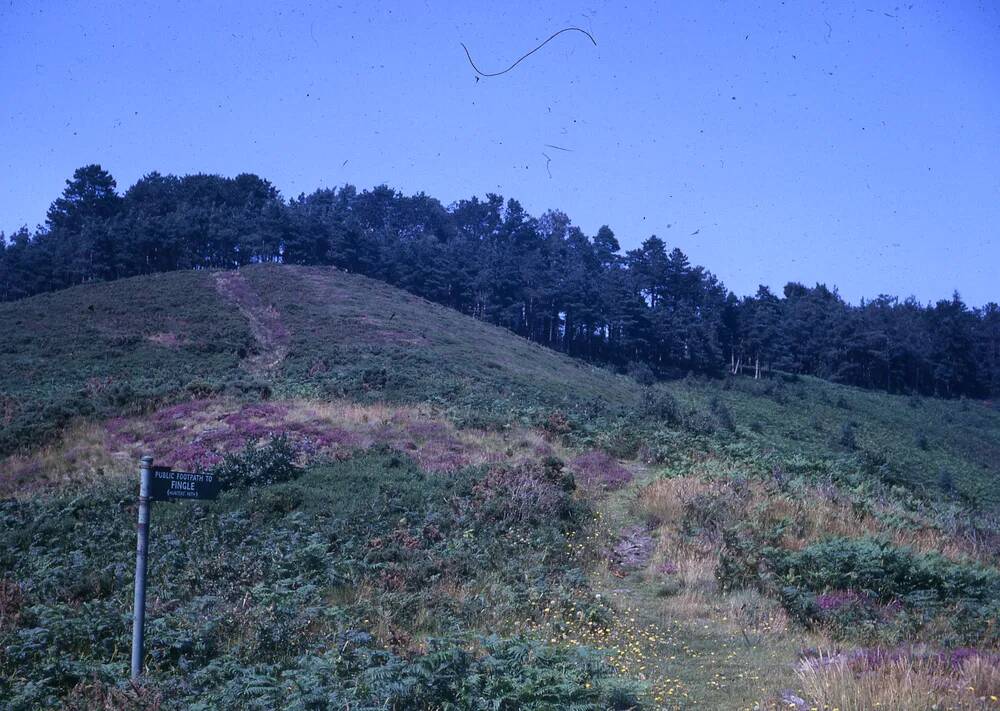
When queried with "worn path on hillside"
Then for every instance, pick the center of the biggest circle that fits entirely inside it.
(268, 330)
(690, 660)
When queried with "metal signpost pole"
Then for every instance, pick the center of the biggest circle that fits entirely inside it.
(160, 484)
(142, 543)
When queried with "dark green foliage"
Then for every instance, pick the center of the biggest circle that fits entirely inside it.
(945, 482)
(259, 464)
(699, 423)
(848, 438)
(741, 558)
(722, 414)
(621, 438)
(707, 515)
(641, 373)
(867, 588)
(659, 404)
(355, 673)
(883, 571)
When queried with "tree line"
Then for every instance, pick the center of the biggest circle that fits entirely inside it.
(647, 309)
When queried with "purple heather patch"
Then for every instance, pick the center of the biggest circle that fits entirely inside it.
(543, 449)
(441, 456)
(835, 600)
(667, 567)
(198, 434)
(596, 468)
(427, 430)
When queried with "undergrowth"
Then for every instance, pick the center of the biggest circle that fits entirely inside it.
(365, 583)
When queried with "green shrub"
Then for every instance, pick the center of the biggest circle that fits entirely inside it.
(882, 570)
(709, 514)
(723, 414)
(848, 436)
(259, 464)
(699, 423)
(741, 558)
(867, 588)
(641, 373)
(659, 404)
(621, 439)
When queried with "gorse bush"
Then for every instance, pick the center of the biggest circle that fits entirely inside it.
(527, 493)
(883, 571)
(700, 423)
(741, 558)
(659, 404)
(723, 414)
(867, 588)
(259, 464)
(945, 482)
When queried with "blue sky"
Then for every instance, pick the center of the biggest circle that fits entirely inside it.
(857, 144)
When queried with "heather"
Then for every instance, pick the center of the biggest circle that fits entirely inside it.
(598, 468)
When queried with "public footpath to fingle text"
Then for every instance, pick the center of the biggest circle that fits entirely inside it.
(169, 485)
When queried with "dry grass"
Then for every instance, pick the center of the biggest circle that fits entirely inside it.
(814, 513)
(982, 678)
(88, 451)
(662, 502)
(817, 513)
(904, 684)
(754, 614)
(80, 454)
(96, 695)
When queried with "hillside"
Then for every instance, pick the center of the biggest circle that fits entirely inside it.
(125, 346)
(423, 510)
(128, 346)
(540, 276)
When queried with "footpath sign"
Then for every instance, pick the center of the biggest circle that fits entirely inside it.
(159, 484)
(170, 485)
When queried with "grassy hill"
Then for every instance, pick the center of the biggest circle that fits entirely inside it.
(133, 345)
(128, 345)
(425, 510)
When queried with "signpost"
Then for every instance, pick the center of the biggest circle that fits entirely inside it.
(159, 484)
(169, 485)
